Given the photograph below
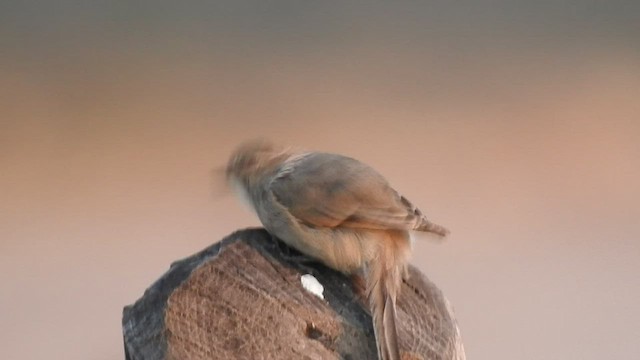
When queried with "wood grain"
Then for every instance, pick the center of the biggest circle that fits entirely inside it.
(242, 298)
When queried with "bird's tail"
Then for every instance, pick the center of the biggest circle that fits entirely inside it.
(383, 284)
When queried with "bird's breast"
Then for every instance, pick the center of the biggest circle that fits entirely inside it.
(241, 192)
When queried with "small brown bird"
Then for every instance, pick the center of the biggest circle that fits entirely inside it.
(339, 211)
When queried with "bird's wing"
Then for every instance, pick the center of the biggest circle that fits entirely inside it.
(329, 190)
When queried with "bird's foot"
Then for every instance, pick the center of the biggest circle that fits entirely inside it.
(359, 287)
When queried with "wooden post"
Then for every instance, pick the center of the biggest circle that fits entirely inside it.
(242, 298)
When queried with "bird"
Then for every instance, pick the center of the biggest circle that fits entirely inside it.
(338, 211)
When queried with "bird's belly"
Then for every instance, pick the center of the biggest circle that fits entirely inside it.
(340, 249)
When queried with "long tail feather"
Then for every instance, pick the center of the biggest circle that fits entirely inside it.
(382, 289)
(390, 330)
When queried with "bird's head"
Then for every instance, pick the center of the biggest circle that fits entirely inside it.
(253, 159)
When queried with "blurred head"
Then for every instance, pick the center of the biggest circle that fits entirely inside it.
(252, 159)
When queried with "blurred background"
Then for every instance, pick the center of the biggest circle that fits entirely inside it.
(514, 123)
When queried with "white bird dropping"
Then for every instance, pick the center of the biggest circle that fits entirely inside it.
(312, 285)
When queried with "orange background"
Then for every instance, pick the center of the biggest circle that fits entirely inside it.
(515, 124)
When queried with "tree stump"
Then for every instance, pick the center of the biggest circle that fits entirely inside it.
(242, 298)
